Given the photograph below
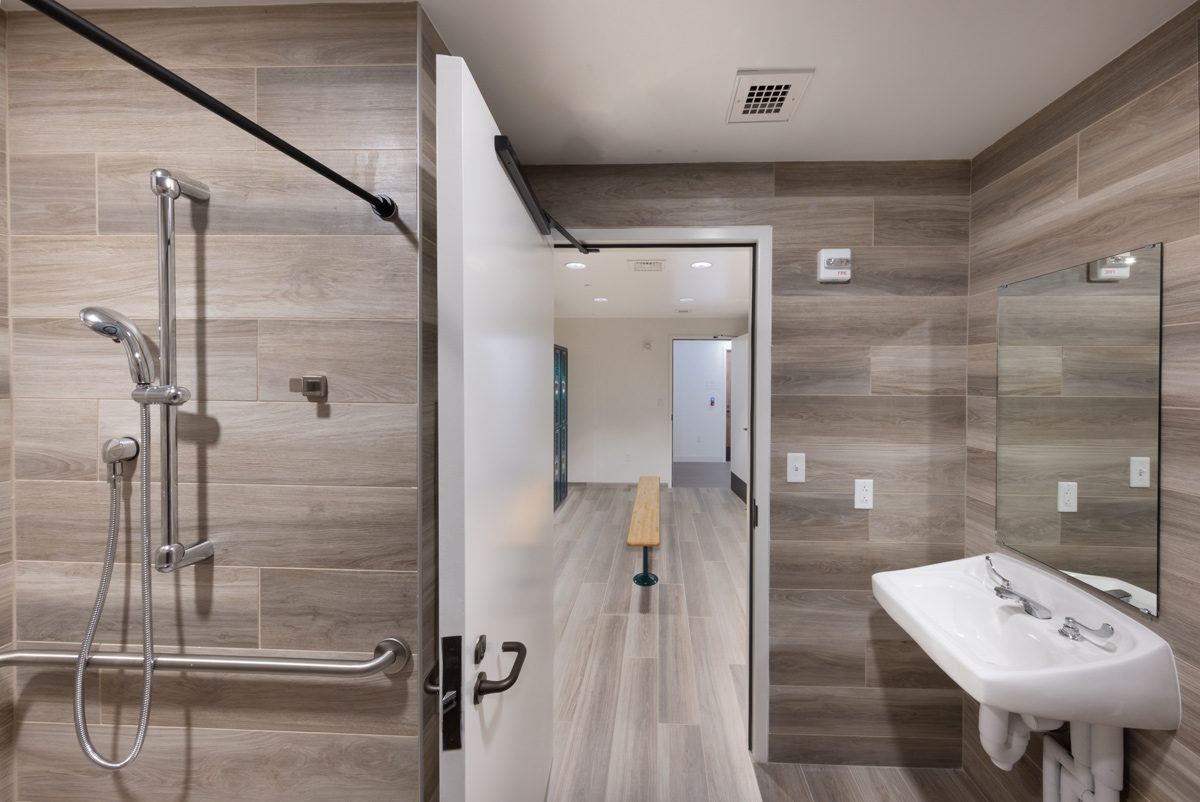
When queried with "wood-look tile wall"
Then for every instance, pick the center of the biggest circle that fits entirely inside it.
(870, 381)
(7, 574)
(1114, 164)
(313, 508)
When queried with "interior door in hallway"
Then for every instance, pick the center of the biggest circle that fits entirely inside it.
(495, 445)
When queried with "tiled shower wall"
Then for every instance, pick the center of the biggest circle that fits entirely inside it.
(313, 507)
(6, 553)
(869, 379)
(1113, 164)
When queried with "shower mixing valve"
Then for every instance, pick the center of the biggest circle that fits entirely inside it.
(119, 449)
(115, 453)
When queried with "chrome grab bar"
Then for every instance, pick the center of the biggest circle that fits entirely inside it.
(391, 656)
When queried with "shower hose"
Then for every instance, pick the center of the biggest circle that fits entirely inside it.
(110, 554)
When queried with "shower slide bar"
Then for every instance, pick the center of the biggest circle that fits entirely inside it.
(382, 205)
(391, 657)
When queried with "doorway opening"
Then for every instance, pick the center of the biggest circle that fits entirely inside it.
(710, 398)
(629, 317)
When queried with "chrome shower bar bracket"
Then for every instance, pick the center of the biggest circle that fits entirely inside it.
(171, 555)
(391, 656)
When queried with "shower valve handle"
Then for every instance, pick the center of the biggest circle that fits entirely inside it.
(119, 449)
(115, 453)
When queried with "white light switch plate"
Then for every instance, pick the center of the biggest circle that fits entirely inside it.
(1139, 471)
(1068, 497)
(864, 494)
(795, 468)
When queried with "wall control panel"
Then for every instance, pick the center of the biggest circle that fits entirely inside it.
(795, 468)
(1139, 471)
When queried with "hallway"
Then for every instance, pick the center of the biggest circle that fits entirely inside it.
(650, 683)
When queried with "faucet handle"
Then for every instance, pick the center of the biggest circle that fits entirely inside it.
(1004, 583)
(1105, 630)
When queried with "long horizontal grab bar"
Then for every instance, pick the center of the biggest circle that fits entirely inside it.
(391, 656)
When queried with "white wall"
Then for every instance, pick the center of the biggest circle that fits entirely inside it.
(739, 409)
(699, 400)
(619, 394)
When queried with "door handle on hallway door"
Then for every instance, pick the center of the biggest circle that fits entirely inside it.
(485, 686)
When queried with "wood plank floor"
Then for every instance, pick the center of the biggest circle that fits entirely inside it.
(650, 684)
(789, 782)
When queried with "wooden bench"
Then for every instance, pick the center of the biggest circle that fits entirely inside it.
(643, 526)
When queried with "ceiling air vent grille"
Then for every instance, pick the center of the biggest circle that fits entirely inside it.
(647, 265)
(761, 96)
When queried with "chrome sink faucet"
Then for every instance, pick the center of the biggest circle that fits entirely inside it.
(1005, 591)
(1071, 629)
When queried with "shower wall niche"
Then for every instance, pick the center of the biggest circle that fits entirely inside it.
(312, 506)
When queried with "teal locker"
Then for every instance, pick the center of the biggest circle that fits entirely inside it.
(560, 425)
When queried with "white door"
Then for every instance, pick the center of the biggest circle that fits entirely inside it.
(495, 453)
(698, 400)
(739, 408)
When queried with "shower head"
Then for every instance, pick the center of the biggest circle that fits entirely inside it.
(121, 329)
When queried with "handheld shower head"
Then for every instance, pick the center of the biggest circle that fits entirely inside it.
(121, 329)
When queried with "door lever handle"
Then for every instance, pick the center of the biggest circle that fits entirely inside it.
(432, 685)
(485, 686)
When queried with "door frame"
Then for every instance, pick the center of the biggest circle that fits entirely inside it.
(759, 493)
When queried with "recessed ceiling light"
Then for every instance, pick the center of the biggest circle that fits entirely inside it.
(599, 300)
(576, 265)
(686, 300)
(701, 265)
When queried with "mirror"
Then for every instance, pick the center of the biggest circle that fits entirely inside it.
(1077, 405)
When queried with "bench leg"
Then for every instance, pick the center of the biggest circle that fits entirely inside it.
(645, 578)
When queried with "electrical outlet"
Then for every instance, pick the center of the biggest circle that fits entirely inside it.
(795, 468)
(864, 494)
(1139, 471)
(1068, 497)
(628, 456)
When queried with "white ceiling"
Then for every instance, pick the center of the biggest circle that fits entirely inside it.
(720, 291)
(638, 81)
(631, 81)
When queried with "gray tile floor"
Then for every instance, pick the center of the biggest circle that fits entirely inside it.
(700, 474)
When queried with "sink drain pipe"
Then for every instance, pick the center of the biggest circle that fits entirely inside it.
(1094, 769)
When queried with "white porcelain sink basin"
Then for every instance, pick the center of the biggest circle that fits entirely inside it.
(1010, 661)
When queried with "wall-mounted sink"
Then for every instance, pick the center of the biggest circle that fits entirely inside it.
(1025, 673)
